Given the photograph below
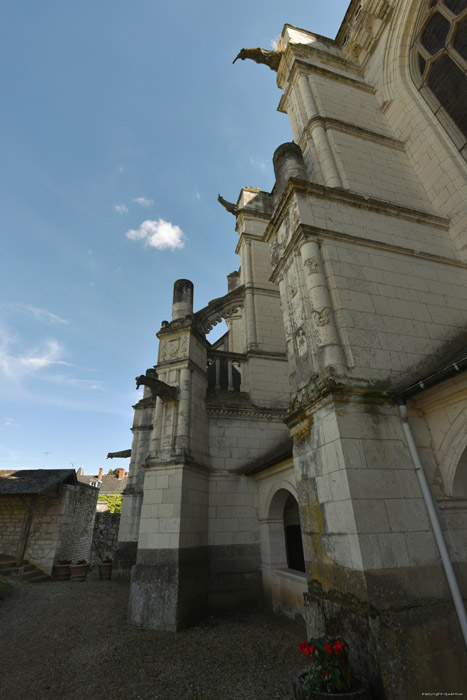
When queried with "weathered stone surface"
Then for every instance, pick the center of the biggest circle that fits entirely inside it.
(351, 284)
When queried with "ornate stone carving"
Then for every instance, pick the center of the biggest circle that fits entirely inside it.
(365, 27)
(157, 388)
(311, 266)
(218, 309)
(323, 317)
(259, 55)
(122, 454)
(294, 218)
(229, 206)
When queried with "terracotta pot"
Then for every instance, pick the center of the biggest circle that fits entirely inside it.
(362, 692)
(62, 572)
(105, 571)
(79, 572)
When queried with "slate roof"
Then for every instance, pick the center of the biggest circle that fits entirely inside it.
(275, 456)
(109, 484)
(450, 367)
(26, 481)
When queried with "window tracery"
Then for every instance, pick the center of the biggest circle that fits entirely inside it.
(439, 64)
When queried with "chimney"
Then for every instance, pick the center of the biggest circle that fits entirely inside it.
(121, 473)
(101, 470)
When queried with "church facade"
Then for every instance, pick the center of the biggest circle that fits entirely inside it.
(315, 457)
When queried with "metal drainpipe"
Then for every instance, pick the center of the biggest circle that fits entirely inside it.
(433, 514)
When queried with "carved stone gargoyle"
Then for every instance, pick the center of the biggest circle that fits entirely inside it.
(157, 388)
(122, 454)
(231, 208)
(259, 55)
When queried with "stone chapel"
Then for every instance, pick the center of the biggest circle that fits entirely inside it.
(314, 458)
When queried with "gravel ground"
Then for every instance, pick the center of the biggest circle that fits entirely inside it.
(72, 640)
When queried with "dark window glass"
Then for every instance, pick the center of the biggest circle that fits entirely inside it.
(456, 6)
(435, 33)
(293, 540)
(449, 84)
(460, 40)
(421, 63)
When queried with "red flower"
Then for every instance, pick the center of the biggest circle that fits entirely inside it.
(326, 674)
(328, 648)
(305, 648)
(338, 646)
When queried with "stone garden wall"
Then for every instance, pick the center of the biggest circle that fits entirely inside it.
(105, 535)
(77, 522)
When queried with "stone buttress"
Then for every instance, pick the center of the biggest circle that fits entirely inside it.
(356, 245)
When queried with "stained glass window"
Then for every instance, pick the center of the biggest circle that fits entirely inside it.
(440, 54)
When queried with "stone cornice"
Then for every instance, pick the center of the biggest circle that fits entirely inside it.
(148, 402)
(329, 389)
(352, 199)
(305, 232)
(345, 127)
(184, 363)
(182, 461)
(305, 66)
(240, 412)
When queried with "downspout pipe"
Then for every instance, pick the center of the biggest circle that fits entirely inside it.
(433, 515)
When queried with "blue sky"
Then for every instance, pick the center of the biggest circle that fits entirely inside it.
(121, 122)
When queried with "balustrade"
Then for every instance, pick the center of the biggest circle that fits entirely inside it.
(224, 370)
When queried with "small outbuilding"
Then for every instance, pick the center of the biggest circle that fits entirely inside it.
(45, 515)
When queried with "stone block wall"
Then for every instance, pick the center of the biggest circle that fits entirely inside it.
(105, 535)
(12, 519)
(77, 522)
(234, 548)
(61, 527)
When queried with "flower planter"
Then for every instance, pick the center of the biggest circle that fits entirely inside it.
(362, 692)
(62, 572)
(105, 571)
(79, 572)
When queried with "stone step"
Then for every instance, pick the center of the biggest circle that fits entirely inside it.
(7, 565)
(28, 572)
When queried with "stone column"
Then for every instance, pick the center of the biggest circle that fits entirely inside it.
(251, 339)
(323, 149)
(326, 334)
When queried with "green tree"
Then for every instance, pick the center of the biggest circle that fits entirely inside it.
(114, 501)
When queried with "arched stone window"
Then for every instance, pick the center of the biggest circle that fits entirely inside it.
(293, 535)
(439, 64)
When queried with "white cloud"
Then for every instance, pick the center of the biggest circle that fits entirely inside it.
(39, 314)
(10, 423)
(143, 201)
(89, 384)
(198, 196)
(158, 234)
(121, 208)
(14, 366)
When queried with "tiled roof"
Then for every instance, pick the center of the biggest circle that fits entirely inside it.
(24, 481)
